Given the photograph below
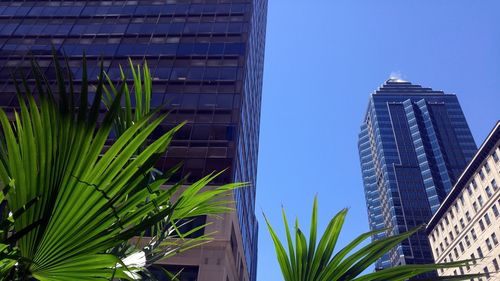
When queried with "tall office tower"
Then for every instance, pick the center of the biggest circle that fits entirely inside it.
(206, 59)
(413, 145)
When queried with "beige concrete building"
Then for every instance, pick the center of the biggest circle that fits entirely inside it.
(221, 259)
(467, 225)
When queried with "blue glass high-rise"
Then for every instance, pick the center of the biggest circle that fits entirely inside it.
(414, 143)
(206, 59)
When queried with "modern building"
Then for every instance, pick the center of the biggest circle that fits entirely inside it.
(413, 145)
(206, 58)
(467, 225)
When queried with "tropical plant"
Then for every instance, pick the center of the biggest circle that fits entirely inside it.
(142, 92)
(70, 204)
(317, 262)
(126, 116)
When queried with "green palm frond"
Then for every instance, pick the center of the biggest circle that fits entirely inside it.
(142, 94)
(316, 261)
(166, 240)
(70, 199)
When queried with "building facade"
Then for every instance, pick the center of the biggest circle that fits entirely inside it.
(206, 59)
(467, 225)
(413, 145)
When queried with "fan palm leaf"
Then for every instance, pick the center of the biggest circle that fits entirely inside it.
(140, 94)
(69, 199)
(316, 261)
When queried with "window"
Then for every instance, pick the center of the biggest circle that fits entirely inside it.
(474, 205)
(433, 237)
(495, 210)
(446, 220)
(480, 200)
(473, 234)
(452, 215)
(455, 251)
(480, 252)
(488, 244)
(481, 174)
(234, 245)
(461, 245)
(467, 215)
(495, 264)
(494, 184)
(487, 167)
(467, 241)
(469, 190)
(186, 225)
(441, 246)
(486, 272)
(495, 157)
(451, 235)
(481, 225)
(456, 229)
(461, 199)
(185, 273)
(8, 28)
(462, 224)
(474, 184)
(446, 241)
(487, 219)
(488, 191)
(494, 238)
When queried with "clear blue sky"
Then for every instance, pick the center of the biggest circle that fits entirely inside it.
(323, 59)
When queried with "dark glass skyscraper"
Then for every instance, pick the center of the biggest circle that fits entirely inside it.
(414, 143)
(206, 59)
